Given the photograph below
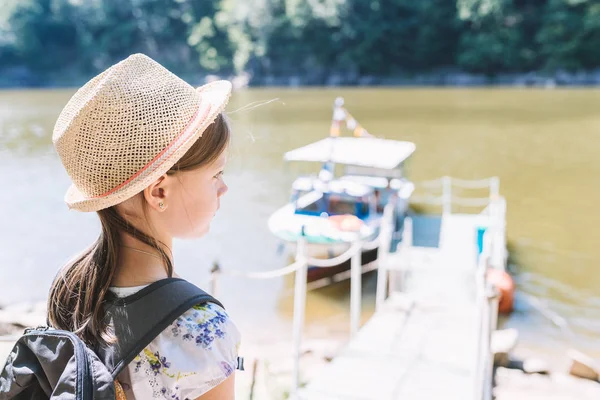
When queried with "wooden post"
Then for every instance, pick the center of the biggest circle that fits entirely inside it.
(447, 194)
(214, 278)
(299, 311)
(355, 289)
(253, 384)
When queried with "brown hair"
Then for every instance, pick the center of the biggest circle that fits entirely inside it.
(77, 296)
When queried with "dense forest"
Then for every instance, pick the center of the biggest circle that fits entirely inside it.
(60, 42)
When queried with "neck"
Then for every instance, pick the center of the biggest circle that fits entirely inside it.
(139, 264)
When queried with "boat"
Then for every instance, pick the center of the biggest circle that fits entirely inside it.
(344, 202)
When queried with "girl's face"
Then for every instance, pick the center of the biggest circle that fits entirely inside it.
(191, 200)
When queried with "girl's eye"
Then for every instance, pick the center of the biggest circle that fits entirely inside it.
(220, 174)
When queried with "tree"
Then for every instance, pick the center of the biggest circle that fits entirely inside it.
(498, 35)
(44, 35)
(570, 35)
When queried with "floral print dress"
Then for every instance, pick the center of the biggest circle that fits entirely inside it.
(197, 352)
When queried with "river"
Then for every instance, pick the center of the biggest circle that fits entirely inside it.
(544, 145)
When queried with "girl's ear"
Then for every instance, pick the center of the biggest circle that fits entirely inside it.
(156, 195)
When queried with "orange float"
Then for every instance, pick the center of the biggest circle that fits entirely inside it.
(506, 286)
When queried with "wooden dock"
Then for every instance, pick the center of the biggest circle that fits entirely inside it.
(422, 343)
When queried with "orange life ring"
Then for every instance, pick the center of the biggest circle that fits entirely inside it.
(505, 284)
(346, 222)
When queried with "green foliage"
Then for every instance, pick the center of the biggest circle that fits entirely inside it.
(303, 37)
(570, 35)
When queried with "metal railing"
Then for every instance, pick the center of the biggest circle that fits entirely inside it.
(487, 307)
(447, 199)
(493, 255)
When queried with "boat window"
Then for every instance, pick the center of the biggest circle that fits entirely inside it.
(340, 206)
(313, 208)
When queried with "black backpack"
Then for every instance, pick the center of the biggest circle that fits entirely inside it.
(47, 363)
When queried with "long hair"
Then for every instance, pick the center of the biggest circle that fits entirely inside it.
(77, 297)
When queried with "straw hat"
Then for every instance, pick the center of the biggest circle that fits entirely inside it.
(128, 126)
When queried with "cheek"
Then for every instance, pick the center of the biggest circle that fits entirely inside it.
(203, 200)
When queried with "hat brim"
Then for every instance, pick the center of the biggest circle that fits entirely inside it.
(214, 98)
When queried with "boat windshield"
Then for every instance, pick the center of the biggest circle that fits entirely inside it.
(339, 205)
(335, 204)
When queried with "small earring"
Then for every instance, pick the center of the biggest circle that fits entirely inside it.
(161, 205)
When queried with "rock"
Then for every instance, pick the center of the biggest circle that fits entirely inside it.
(7, 329)
(22, 315)
(40, 307)
(503, 342)
(5, 349)
(517, 385)
(536, 366)
(514, 363)
(583, 366)
(501, 359)
(19, 308)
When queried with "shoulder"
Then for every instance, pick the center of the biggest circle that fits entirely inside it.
(204, 325)
(195, 353)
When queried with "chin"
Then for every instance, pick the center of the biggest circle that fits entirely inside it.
(201, 232)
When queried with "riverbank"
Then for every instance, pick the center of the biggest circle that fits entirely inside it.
(553, 383)
(20, 77)
(268, 364)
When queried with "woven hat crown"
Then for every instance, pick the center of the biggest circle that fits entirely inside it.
(120, 121)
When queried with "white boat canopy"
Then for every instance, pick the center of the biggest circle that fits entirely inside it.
(364, 152)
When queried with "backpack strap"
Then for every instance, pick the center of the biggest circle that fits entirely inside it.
(139, 318)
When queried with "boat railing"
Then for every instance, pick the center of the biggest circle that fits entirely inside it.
(487, 308)
(447, 198)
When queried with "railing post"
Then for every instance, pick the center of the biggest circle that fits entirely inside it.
(493, 297)
(480, 323)
(382, 282)
(355, 288)
(487, 305)
(214, 278)
(385, 239)
(447, 194)
(405, 254)
(299, 311)
(494, 188)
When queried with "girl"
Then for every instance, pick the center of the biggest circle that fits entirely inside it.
(146, 151)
